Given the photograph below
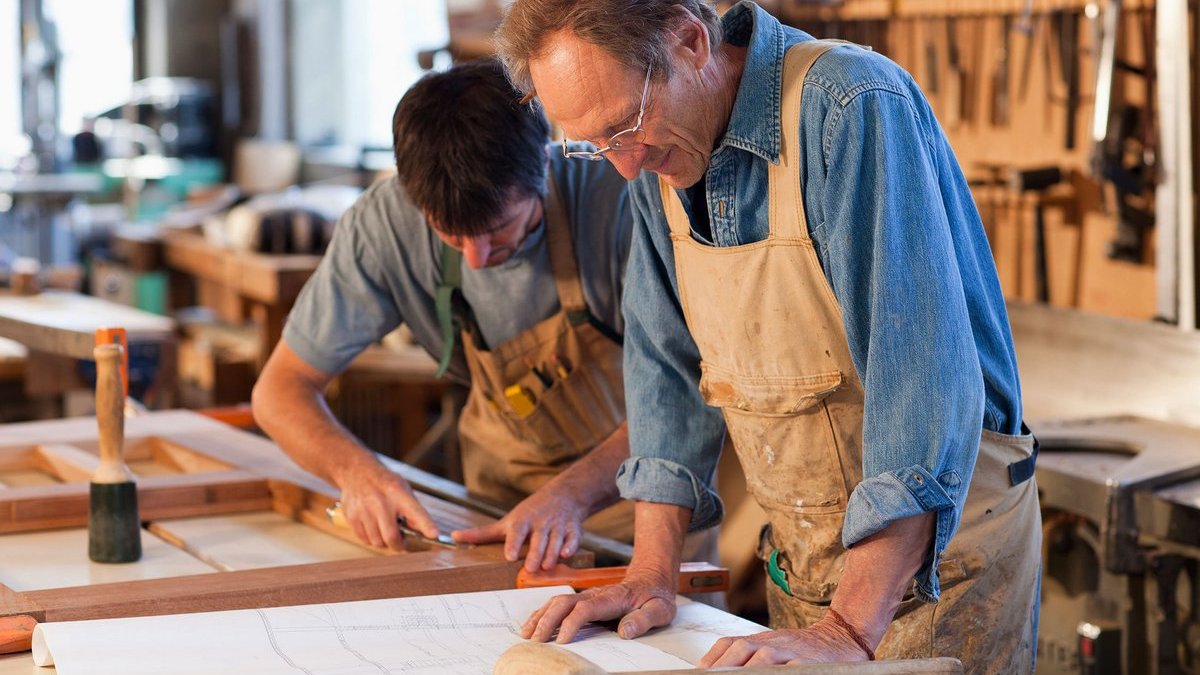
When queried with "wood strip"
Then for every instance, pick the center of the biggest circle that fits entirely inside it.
(185, 459)
(424, 573)
(177, 496)
(13, 603)
(69, 463)
(14, 459)
(256, 539)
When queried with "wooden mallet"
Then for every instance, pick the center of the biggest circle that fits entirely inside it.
(114, 529)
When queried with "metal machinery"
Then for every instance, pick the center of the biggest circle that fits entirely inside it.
(1121, 524)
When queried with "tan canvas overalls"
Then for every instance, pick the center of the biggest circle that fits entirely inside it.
(576, 395)
(775, 358)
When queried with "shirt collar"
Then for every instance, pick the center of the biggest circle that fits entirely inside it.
(748, 25)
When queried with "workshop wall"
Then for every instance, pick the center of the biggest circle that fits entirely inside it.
(998, 80)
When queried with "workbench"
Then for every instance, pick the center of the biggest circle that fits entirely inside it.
(59, 329)
(239, 284)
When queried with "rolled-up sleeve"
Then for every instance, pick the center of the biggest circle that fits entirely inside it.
(674, 436)
(888, 250)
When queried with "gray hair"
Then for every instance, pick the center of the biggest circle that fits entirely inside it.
(631, 31)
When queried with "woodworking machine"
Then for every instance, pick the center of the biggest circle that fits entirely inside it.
(1121, 523)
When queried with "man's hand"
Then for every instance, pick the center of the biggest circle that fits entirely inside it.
(551, 520)
(373, 497)
(644, 600)
(823, 642)
(289, 404)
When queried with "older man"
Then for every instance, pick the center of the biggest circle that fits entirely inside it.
(809, 273)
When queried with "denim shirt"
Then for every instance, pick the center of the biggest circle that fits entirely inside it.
(904, 250)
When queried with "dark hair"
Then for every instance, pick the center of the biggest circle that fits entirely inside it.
(636, 39)
(465, 146)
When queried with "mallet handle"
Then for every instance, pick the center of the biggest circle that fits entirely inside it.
(110, 415)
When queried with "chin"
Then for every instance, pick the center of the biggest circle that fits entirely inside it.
(679, 174)
(683, 179)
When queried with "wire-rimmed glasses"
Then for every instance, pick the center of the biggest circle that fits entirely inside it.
(621, 140)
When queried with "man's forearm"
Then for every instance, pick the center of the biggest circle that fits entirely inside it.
(591, 480)
(299, 420)
(659, 530)
(879, 570)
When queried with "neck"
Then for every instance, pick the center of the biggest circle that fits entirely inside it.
(720, 80)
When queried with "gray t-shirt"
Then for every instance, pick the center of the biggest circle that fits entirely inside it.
(383, 267)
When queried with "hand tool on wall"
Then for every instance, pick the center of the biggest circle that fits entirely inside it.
(955, 76)
(694, 577)
(931, 58)
(1027, 24)
(1037, 181)
(338, 518)
(114, 529)
(974, 72)
(16, 633)
(1117, 131)
(999, 116)
(1106, 57)
(1067, 29)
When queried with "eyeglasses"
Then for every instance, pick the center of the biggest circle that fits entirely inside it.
(622, 140)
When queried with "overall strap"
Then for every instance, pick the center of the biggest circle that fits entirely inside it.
(786, 193)
(564, 265)
(453, 313)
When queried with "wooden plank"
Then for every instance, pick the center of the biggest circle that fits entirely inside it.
(68, 462)
(13, 603)
(185, 459)
(18, 458)
(271, 279)
(222, 540)
(424, 573)
(65, 323)
(66, 505)
(21, 478)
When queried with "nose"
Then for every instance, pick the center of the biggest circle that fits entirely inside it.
(629, 162)
(476, 250)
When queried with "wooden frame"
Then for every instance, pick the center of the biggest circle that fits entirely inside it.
(258, 477)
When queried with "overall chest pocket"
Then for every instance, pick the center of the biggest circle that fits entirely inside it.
(568, 418)
(785, 437)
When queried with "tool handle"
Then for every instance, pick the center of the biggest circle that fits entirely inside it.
(16, 634)
(117, 336)
(110, 415)
(694, 577)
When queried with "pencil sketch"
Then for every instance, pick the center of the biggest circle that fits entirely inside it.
(460, 634)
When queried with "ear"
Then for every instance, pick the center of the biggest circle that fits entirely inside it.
(691, 40)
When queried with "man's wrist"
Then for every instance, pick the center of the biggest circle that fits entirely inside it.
(839, 623)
